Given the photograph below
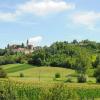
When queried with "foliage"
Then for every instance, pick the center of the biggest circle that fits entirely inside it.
(11, 59)
(82, 78)
(97, 71)
(97, 74)
(98, 79)
(21, 90)
(2, 52)
(83, 62)
(3, 74)
(57, 75)
(97, 61)
(63, 54)
(21, 75)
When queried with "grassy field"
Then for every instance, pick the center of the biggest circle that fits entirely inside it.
(37, 79)
(44, 73)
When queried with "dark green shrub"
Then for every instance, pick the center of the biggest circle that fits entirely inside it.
(3, 74)
(57, 75)
(97, 74)
(82, 79)
(21, 75)
(98, 79)
(97, 71)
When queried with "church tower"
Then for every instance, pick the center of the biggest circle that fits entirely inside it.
(27, 43)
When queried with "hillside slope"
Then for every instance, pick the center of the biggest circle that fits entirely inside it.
(34, 71)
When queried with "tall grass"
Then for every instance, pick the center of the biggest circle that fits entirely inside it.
(20, 90)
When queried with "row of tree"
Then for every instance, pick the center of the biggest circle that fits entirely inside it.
(61, 54)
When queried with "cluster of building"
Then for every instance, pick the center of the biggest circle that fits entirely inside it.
(28, 48)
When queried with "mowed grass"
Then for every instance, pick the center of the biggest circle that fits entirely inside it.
(46, 73)
(11, 68)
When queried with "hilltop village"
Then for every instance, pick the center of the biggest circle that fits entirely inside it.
(24, 48)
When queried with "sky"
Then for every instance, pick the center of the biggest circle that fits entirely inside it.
(46, 21)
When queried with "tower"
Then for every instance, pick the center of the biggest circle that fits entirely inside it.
(27, 43)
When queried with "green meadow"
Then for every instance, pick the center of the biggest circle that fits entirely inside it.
(44, 73)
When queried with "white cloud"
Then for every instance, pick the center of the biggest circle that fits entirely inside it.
(45, 6)
(7, 16)
(88, 19)
(35, 40)
(37, 7)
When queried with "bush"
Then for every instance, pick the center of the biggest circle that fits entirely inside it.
(98, 79)
(3, 74)
(97, 71)
(57, 75)
(82, 79)
(23, 61)
(97, 74)
(21, 75)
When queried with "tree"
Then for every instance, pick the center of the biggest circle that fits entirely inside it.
(83, 62)
(97, 61)
(97, 74)
(35, 61)
(75, 42)
(22, 45)
(3, 52)
(82, 78)
(8, 46)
